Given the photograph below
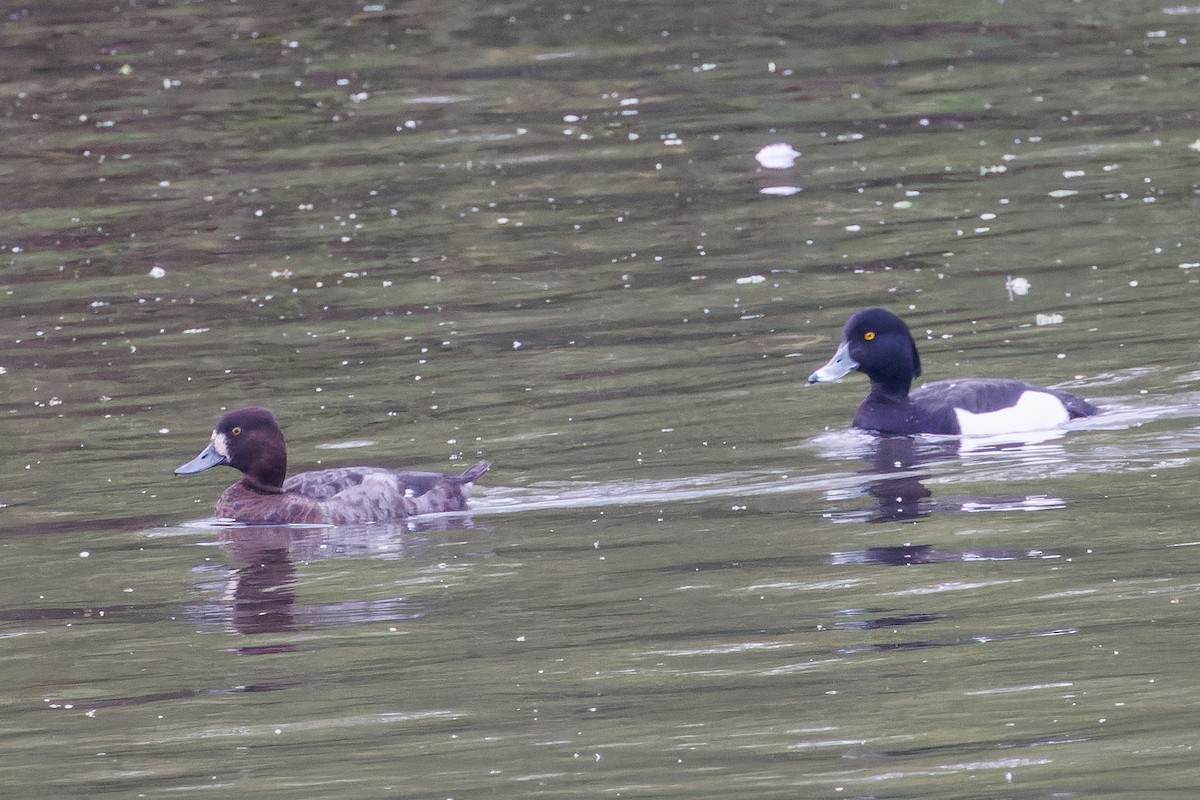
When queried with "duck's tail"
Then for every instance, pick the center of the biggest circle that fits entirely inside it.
(474, 473)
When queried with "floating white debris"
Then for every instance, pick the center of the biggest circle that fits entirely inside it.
(777, 156)
(195, 330)
(902, 204)
(1195, 145)
(993, 170)
(1048, 319)
(1189, 265)
(1073, 173)
(1062, 193)
(1016, 286)
(751, 279)
(157, 272)
(780, 191)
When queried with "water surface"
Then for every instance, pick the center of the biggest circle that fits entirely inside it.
(538, 234)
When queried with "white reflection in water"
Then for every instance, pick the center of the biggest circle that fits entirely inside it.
(780, 191)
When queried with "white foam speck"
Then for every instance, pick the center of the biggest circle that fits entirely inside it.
(1016, 286)
(777, 156)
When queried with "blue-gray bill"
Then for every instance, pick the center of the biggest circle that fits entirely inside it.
(837, 367)
(206, 460)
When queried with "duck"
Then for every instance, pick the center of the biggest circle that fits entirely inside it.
(250, 441)
(877, 343)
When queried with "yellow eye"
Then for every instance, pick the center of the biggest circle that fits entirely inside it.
(238, 431)
(869, 335)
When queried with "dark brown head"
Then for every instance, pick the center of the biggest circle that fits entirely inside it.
(249, 440)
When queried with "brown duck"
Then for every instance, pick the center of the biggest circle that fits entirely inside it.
(250, 441)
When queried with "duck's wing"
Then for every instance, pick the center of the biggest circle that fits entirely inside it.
(370, 494)
(420, 483)
(323, 484)
(983, 395)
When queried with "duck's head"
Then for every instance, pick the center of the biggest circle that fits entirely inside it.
(877, 343)
(249, 440)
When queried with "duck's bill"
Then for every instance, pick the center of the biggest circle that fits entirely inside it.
(837, 367)
(206, 460)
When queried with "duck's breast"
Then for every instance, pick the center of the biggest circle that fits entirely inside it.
(245, 504)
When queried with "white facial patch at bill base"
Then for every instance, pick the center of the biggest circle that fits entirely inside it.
(1034, 411)
(221, 444)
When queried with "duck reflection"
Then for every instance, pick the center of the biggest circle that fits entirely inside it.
(911, 554)
(260, 587)
(260, 591)
(898, 468)
(899, 492)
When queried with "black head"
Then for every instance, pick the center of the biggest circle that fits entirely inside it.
(878, 343)
(249, 440)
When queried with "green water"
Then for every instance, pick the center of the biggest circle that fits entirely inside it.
(429, 233)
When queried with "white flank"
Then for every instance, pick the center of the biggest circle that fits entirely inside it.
(1034, 411)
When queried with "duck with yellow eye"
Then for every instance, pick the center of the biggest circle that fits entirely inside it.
(250, 441)
(877, 343)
